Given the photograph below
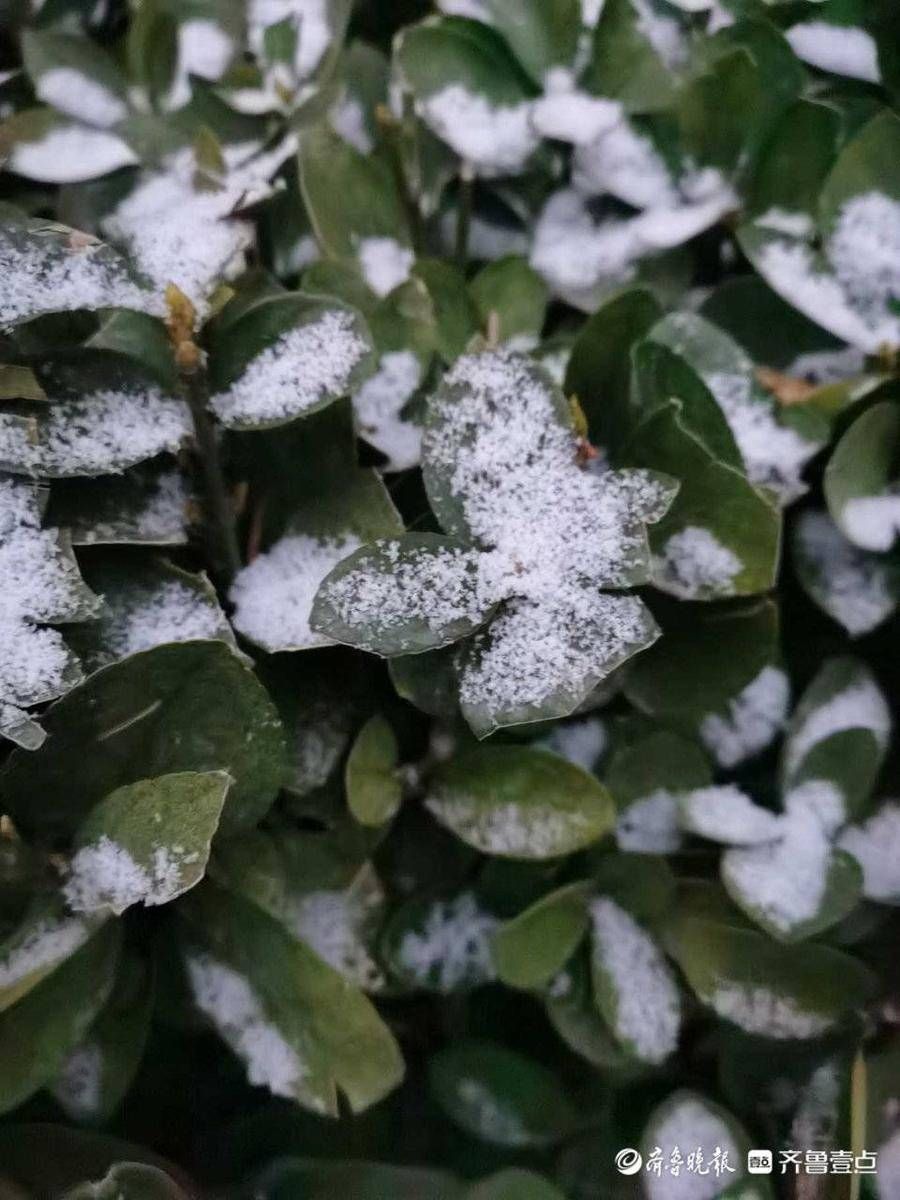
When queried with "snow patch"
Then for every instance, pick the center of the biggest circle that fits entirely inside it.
(70, 154)
(495, 139)
(453, 948)
(694, 564)
(78, 95)
(691, 1126)
(875, 844)
(378, 405)
(840, 49)
(650, 825)
(855, 588)
(750, 720)
(385, 262)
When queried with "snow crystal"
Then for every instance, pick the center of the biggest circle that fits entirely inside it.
(104, 876)
(273, 596)
(864, 250)
(70, 154)
(689, 1126)
(852, 586)
(170, 610)
(579, 742)
(307, 365)
(311, 20)
(750, 720)
(572, 116)
(694, 564)
(47, 942)
(495, 1121)
(858, 706)
(872, 522)
(180, 234)
(78, 1088)
(333, 924)
(758, 1009)
(377, 408)
(105, 431)
(385, 262)
(42, 276)
(791, 269)
(646, 1002)
(649, 825)
(875, 844)
(78, 95)
(841, 49)
(726, 814)
(453, 947)
(227, 998)
(774, 454)
(496, 140)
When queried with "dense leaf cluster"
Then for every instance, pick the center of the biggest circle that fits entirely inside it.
(449, 503)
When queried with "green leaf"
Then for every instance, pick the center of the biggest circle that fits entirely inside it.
(42, 145)
(838, 734)
(327, 1036)
(861, 479)
(625, 64)
(374, 790)
(141, 338)
(361, 1180)
(145, 505)
(46, 936)
(798, 157)
(98, 1072)
(688, 1123)
(150, 714)
(643, 777)
(152, 49)
(514, 296)
(412, 593)
(513, 1184)
(130, 1181)
(634, 987)
(440, 945)
(470, 91)
(500, 1096)
(519, 803)
(146, 842)
(67, 70)
(38, 1032)
(764, 987)
(540, 35)
(531, 948)
(287, 357)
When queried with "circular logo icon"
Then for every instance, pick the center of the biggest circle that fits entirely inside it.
(628, 1161)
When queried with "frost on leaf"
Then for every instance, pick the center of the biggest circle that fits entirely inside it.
(858, 589)
(50, 268)
(875, 844)
(687, 1123)
(41, 585)
(302, 370)
(636, 988)
(46, 937)
(146, 505)
(378, 410)
(448, 946)
(60, 151)
(750, 720)
(726, 814)
(840, 49)
(339, 924)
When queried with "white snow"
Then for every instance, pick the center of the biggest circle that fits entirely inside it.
(495, 140)
(493, 1116)
(662, 32)
(875, 844)
(793, 223)
(573, 116)
(853, 587)
(646, 1001)
(70, 154)
(158, 517)
(308, 365)
(626, 164)
(204, 50)
(385, 262)
(758, 1009)
(861, 705)
(273, 595)
(580, 742)
(864, 251)
(872, 522)
(695, 565)
(78, 95)
(453, 947)
(104, 877)
(520, 831)
(180, 234)
(102, 432)
(841, 49)
(311, 19)
(477, 10)
(724, 813)
(348, 119)
(689, 1126)
(41, 945)
(44, 275)
(750, 720)
(827, 366)
(650, 825)
(229, 1000)
(78, 1088)
(887, 1181)
(169, 610)
(378, 405)
(333, 923)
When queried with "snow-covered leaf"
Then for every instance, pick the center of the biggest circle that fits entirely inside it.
(862, 487)
(724, 813)
(875, 844)
(45, 937)
(145, 843)
(441, 945)
(634, 986)
(638, 50)
(145, 505)
(49, 148)
(689, 1124)
(300, 1028)
(519, 803)
(286, 357)
(75, 76)
(645, 776)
